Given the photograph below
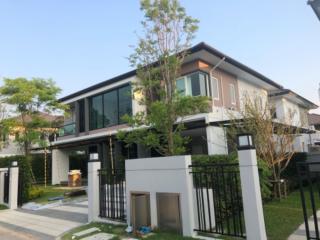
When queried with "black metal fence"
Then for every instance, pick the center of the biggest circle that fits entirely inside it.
(20, 189)
(6, 186)
(218, 199)
(112, 188)
(309, 182)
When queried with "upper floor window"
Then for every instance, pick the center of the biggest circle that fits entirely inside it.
(232, 94)
(96, 112)
(273, 113)
(194, 84)
(215, 88)
(108, 109)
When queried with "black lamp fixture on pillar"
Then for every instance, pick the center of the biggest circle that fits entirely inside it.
(245, 141)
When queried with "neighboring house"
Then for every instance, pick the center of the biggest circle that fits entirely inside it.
(12, 148)
(314, 122)
(95, 112)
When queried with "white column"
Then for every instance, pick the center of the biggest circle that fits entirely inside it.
(93, 190)
(251, 194)
(153, 210)
(13, 186)
(1, 186)
(216, 140)
(60, 166)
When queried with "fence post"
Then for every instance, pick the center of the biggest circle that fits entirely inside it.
(1, 186)
(94, 165)
(13, 185)
(250, 185)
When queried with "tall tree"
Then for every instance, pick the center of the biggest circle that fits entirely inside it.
(273, 138)
(3, 127)
(30, 98)
(158, 56)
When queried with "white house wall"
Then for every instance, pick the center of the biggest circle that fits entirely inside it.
(289, 112)
(251, 92)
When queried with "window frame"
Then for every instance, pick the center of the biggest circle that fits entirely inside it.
(217, 87)
(232, 94)
(119, 122)
(188, 90)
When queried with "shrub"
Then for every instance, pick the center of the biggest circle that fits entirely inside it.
(264, 171)
(35, 192)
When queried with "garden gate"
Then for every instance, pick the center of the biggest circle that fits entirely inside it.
(309, 183)
(112, 187)
(218, 199)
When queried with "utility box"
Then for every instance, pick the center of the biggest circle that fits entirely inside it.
(74, 178)
(140, 211)
(169, 216)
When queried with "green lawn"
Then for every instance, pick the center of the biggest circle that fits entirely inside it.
(283, 217)
(119, 230)
(3, 207)
(49, 192)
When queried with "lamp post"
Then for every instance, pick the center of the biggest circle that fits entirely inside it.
(250, 187)
(315, 4)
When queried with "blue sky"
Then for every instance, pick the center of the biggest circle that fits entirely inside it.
(78, 43)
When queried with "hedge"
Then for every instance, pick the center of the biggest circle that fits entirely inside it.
(24, 174)
(290, 173)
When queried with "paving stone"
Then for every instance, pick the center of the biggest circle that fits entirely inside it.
(86, 232)
(100, 236)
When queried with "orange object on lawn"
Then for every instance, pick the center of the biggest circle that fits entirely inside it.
(74, 178)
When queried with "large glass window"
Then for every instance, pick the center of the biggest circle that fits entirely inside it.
(107, 109)
(125, 103)
(193, 84)
(96, 112)
(110, 108)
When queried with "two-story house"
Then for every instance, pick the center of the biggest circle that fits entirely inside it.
(95, 112)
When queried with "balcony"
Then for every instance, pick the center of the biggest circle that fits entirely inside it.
(67, 129)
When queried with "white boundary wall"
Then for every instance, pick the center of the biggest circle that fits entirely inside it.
(162, 175)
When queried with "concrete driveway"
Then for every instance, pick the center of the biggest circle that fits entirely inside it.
(46, 224)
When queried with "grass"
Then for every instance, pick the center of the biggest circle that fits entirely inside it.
(119, 231)
(283, 217)
(49, 192)
(3, 207)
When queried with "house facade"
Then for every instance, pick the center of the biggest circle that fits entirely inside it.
(10, 147)
(95, 112)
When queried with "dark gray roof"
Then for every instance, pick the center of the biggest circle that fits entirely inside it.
(313, 119)
(196, 48)
(288, 91)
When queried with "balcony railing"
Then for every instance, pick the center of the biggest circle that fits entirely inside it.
(67, 129)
